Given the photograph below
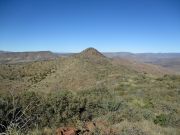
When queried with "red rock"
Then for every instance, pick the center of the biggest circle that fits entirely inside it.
(66, 131)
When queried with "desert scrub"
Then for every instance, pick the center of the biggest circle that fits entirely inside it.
(13, 116)
(132, 131)
(142, 103)
(167, 120)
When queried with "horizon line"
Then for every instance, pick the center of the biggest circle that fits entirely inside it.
(9, 51)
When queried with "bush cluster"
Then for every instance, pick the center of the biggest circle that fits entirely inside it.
(28, 109)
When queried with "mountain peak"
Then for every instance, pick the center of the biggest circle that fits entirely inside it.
(89, 52)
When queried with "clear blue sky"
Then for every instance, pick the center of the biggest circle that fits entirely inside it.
(73, 25)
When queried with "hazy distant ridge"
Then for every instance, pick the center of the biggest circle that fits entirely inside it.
(167, 60)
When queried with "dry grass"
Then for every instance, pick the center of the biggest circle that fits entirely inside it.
(147, 127)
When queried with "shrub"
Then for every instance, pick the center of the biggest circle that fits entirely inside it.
(161, 119)
(12, 114)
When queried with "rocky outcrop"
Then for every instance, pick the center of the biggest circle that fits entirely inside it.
(67, 131)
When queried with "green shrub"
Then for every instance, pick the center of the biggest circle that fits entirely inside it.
(161, 119)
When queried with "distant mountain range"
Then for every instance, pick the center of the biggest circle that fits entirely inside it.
(167, 60)
(170, 61)
(16, 57)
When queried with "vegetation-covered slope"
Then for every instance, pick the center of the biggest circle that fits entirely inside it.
(91, 93)
(146, 106)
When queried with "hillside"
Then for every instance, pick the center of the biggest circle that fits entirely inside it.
(87, 69)
(88, 93)
(145, 68)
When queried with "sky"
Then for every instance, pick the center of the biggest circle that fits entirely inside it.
(73, 25)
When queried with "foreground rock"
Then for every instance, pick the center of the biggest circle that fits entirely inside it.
(88, 128)
(67, 131)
